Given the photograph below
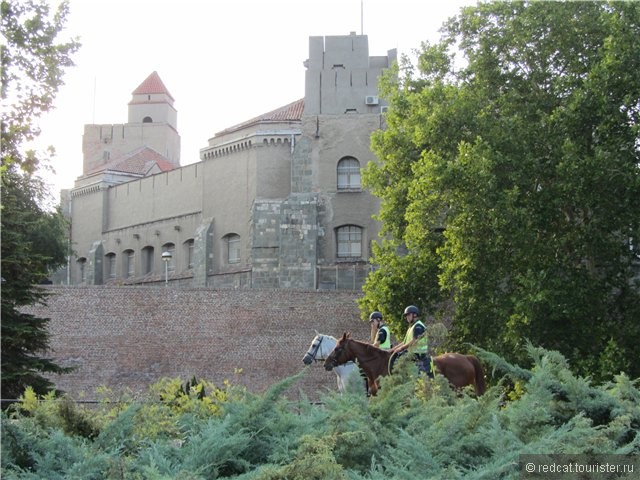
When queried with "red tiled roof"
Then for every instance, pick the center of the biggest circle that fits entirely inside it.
(152, 84)
(138, 162)
(290, 112)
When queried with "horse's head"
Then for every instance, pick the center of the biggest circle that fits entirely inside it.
(340, 354)
(320, 347)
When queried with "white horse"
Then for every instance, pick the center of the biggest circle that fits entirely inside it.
(321, 347)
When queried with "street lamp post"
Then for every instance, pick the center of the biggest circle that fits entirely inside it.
(166, 256)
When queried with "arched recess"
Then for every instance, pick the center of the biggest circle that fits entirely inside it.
(232, 248)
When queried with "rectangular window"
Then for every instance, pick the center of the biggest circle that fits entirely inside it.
(111, 266)
(190, 247)
(147, 260)
(131, 264)
(233, 246)
(349, 242)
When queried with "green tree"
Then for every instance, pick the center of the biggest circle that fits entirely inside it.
(33, 238)
(512, 180)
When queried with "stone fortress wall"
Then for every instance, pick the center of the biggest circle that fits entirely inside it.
(129, 337)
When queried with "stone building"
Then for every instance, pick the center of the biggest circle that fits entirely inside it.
(274, 202)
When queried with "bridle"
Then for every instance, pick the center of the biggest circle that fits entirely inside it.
(314, 350)
(337, 352)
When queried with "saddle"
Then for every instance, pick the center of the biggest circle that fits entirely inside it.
(425, 362)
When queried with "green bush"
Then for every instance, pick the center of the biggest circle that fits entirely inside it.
(413, 429)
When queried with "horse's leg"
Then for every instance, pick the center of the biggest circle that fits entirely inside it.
(373, 386)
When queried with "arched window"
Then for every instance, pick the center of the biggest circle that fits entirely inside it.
(348, 174)
(188, 252)
(147, 120)
(129, 263)
(349, 241)
(171, 248)
(147, 260)
(232, 243)
(110, 265)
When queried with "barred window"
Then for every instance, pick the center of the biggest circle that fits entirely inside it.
(147, 260)
(348, 174)
(188, 250)
(110, 269)
(129, 258)
(349, 238)
(233, 248)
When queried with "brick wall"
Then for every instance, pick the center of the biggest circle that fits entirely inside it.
(130, 337)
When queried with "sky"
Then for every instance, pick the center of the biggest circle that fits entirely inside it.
(223, 61)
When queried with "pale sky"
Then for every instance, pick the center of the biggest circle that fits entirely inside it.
(223, 61)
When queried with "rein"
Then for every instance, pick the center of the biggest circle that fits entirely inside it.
(366, 353)
(313, 353)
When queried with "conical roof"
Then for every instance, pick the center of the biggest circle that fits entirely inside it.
(152, 84)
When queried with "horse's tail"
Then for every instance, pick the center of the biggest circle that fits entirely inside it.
(480, 386)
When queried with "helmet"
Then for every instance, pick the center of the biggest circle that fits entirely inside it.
(375, 316)
(411, 309)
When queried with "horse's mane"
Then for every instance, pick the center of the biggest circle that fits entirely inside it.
(365, 344)
(369, 348)
(318, 334)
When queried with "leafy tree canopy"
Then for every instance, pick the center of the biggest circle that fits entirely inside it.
(33, 239)
(510, 182)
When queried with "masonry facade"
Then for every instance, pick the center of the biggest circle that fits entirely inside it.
(128, 338)
(275, 202)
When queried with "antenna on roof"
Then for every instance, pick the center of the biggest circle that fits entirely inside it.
(93, 113)
(361, 17)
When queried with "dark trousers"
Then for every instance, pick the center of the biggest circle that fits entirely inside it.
(423, 361)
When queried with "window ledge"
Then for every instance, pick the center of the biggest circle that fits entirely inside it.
(357, 260)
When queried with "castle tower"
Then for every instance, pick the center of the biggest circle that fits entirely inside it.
(151, 102)
(152, 124)
(342, 78)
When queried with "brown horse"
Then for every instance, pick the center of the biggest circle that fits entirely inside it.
(460, 370)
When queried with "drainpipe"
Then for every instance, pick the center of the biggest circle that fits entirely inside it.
(70, 239)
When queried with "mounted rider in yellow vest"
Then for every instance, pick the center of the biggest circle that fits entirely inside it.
(382, 335)
(416, 340)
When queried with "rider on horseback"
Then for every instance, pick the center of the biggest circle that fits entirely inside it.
(416, 339)
(383, 335)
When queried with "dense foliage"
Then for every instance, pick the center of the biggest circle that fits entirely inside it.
(413, 429)
(510, 183)
(34, 239)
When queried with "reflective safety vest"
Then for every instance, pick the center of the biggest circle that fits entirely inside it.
(422, 345)
(386, 345)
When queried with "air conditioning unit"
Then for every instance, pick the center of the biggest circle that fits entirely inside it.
(384, 108)
(371, 100)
